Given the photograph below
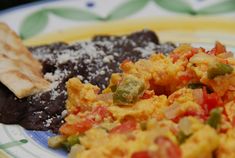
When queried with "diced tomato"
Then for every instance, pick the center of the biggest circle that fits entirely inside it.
(203, 49)
(167, 149)
(141, 154)
(102, 111)
(160, 90)
(71, 129)
(187, 76)
(206, 101)
(224, 61)
(125, 64)
(186, 113)
(174, 96)
(194, 50)
(80, 109)
(87, 123)
(127, 126)
(218, 49)
(210, 101)
(84, 125)
(212, 51)
(174, 129)
(174, 57)
(233, 122)
(147, 94)
(77, 110)
(190, 112)
(190, 54)
(67, 129)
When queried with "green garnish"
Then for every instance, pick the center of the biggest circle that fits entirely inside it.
(219, 70)
(71, 141)
(214, 118)
(195, 85)
(143, 126)
(199, 85)
(128, 90)
(181, 137)
(113, 88)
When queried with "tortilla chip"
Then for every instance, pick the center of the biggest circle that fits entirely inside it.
(19, 71)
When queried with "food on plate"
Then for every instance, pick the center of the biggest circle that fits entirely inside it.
(179, 105)
(20, 72)
(92, 61)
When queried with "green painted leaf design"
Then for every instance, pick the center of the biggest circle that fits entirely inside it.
(180, 6)
(33, 24)
(13, 143)
(127, 9)
(73, 13)
(222, 7)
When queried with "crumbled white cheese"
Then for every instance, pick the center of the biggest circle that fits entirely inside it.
(63, 58)
(64, 113)
(80, 77)
(108, 59)
(48, 122)
(49, 76)
(102, 72)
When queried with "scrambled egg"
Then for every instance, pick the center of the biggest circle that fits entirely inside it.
(227, 145)
(176, 106)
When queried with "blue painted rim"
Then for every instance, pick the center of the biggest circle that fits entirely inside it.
(5, 11)
(41, 138)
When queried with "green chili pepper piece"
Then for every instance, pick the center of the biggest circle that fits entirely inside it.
(219, 70)
(128, 90)
(195, 85)
(74, 139)
(181, 137)
(214, 118)
(70, 141)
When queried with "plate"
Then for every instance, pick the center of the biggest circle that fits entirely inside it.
(200, 22)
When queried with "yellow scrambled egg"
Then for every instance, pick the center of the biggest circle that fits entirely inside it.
(177, 106)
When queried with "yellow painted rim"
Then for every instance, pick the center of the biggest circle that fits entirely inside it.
(175, 29)
(4, 154)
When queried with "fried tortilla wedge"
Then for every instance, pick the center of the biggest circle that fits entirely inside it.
(19, 71)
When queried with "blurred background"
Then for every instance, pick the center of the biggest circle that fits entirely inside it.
(191, 21)
(4, 4)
